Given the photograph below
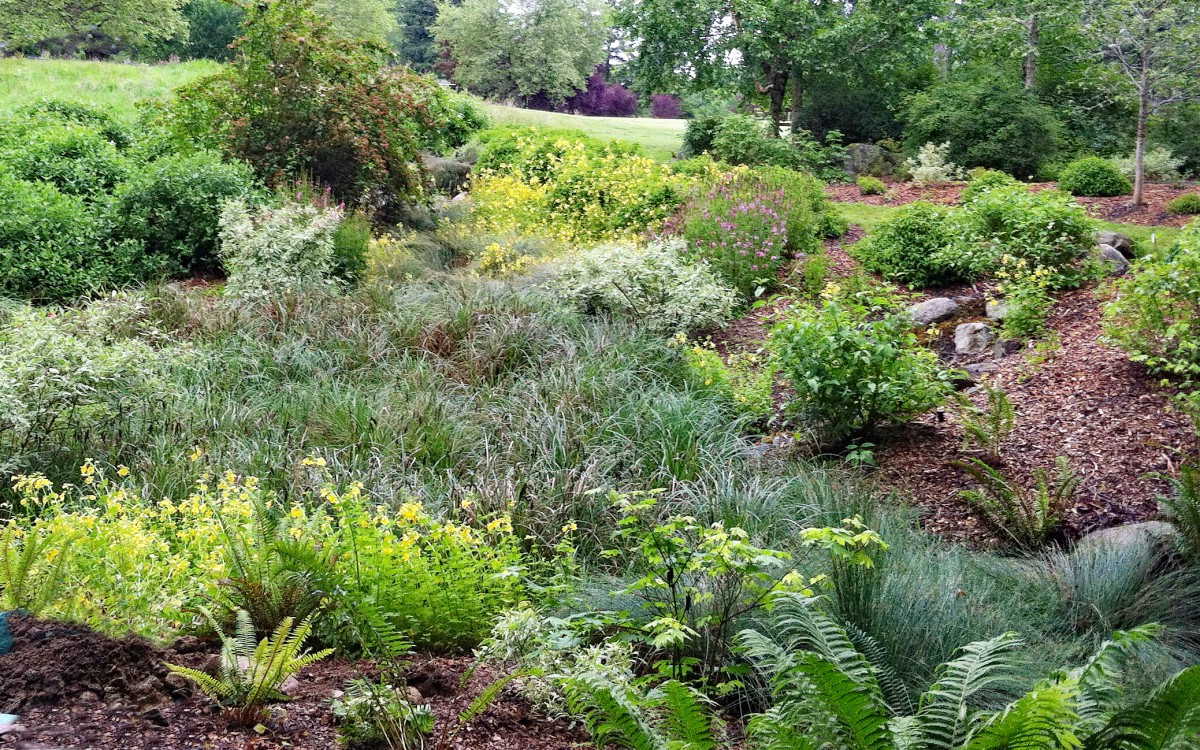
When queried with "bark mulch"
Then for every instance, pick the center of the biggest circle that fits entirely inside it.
(1119, 209)
(1072, 396)
(74, 688)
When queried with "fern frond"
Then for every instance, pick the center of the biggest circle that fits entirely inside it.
(212, 687)
(772, 730)
(1042, 719)
(611, 714)
(1099, 678)
(487, 696)
(687, 715)
(1169, 719)
(895, 693)
(944, 716)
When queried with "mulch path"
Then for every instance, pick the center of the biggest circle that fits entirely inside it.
(74, 688)
(1075, 398)
(1119, 209)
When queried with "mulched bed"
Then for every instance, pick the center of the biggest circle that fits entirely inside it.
(79, 689)
(1078, 399)
(1119, 209)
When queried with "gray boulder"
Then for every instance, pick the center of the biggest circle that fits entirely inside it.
(973, 338)
(872, 160)
(1157, 534)
(1112, 257)
(1123, 244)
(933, 310)
(996, 309)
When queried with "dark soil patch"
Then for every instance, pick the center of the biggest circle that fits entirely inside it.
(1119, 209)
(79, 690)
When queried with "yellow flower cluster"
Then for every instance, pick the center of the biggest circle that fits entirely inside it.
(500, 261)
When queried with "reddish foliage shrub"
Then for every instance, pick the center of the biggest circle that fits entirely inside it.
(666, 106)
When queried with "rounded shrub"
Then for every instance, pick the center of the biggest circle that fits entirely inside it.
(1188, 203)
(1093, 177)
(51, 245)
(870, 186)
(989, 121)
(919, 246)
(76, 158)
(1047, 229)
(173, 207)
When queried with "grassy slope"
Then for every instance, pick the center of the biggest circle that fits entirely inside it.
(113, 87)
(660, 138)
(869, 217)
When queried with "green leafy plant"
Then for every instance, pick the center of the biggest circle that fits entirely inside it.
(870, 186)
(250, 674)
(671, 715)
(921, 245)
(32, 567)
(743, 379)
(373, 714)
(1189, 203)
(276, 250)
(1159, 163)
(854, 364)
(985, 428)
(1027, 300)
(982, 180)
(1093, 176)
(1026, 518)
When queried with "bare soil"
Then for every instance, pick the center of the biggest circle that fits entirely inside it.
(75, 688)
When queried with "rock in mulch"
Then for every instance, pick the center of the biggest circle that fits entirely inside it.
(1117, 241)
(1158, 534)
(933, 310)
(996, 309)
(1112, 257)
(973, 338)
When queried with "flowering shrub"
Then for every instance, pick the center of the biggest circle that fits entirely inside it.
(138, 564)
(1026, 292)
(740, 230)
(654, 285)
(502, 260)
(1047, 229)
(273, 250)
(571, 189)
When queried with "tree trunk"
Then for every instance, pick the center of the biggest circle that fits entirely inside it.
(1031, 48)
(776, 91)
(797, 100)
(1139, 151)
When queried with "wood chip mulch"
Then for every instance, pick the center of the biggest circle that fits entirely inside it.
(1119, 209)
(65, 706)
(1076, 398)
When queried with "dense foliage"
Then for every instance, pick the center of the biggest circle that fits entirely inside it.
(1093, 177)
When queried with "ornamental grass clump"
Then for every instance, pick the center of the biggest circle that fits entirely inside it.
(740, 230)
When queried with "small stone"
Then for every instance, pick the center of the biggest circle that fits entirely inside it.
(413, 696)
(1116, 240)
(1117, 262)
(976, 372)
(155, 717)
(290, 686)
(88, 696)
(933, 310)
(996, 309)
(973, 338)
(187, 644)
(180, 686)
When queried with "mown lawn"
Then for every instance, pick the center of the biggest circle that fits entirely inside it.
(660, 138)
(113, 87)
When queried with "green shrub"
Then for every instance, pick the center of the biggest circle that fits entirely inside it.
(351, 242)
(921, 246)
(854, 365)
(535, 151)
(1093, 177)
(699, 134)
(276, 250)
(982, 180)
(1185, 204)
(1158, 163)
(52, 245)
(741, 139)
(76, 158)
(654, 285)
(932, 165)
(81, 114)
(460, 118)
(172, 207)
(989, 121)
(871, 186)
(1155, 316)
(1047, 229)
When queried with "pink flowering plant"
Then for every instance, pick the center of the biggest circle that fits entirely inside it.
(739, 228)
